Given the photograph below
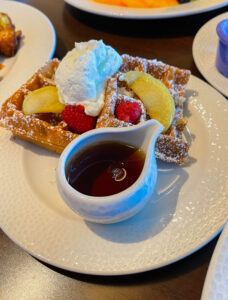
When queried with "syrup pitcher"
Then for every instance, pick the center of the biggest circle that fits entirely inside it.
(117, 206)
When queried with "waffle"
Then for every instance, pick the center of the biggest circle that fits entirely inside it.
(45, 130)
(170, 147)
(49, 131)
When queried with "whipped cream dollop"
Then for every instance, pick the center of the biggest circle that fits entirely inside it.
(82, 75)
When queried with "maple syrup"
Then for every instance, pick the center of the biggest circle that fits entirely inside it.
(105, 169)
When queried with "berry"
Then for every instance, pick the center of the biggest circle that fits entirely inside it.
(128, 112)
(76, 118)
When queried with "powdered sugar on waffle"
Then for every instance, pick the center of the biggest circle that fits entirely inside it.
(172, 77)
(170, 147)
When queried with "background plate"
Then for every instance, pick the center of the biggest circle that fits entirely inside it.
(204, 50)
(148, 13)
(215, 286)
(188, 208)
(36, 46)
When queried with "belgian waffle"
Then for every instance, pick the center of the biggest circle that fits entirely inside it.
(45, 130)
(170, 147)
(49, 131)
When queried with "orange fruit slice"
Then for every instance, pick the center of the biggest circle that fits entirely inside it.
(155, 96)
(43, 100)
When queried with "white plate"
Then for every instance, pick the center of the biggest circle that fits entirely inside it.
(189, 206)
(148, 13)
(204, 53)
(36, 46)
(216, 282)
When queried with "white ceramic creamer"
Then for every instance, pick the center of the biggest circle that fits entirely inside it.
(120, 206)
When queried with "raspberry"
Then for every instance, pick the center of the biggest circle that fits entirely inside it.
(128, 112)
(76, 118)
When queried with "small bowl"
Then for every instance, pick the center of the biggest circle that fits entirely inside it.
(120, 206)
(222, 51)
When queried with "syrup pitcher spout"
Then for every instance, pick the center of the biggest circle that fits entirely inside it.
(126, 203)
(146, 135)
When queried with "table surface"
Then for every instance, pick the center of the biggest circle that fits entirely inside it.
(24, 277)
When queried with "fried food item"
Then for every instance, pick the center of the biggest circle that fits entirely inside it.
(9, 37)
(170, 146)
(48, 130)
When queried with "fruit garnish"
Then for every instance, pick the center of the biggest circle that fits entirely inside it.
(140, 3)
(128, 111)
(43, 100)
(75, 117)
(155, 96)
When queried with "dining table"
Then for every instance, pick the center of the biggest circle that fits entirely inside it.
(24, 276)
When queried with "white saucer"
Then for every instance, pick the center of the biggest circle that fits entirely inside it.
(204, 53)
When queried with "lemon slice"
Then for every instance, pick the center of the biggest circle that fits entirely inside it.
(43, 100)
(155, 96)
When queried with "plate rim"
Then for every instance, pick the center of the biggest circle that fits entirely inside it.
(113, 273)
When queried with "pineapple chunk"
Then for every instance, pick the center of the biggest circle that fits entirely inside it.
(43, 100)
(155, 96)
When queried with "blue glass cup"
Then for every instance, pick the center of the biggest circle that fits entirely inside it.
(222, 51)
